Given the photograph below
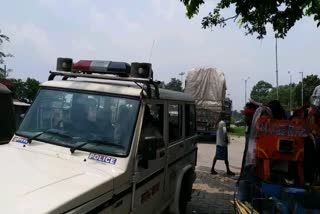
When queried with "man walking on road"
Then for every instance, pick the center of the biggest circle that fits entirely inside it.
(222, 142)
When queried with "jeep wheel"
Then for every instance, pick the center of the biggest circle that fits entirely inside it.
(185, 193)
(183, 199)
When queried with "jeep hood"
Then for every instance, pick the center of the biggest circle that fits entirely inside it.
(33, 182)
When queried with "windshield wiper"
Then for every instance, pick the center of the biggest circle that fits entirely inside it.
(74, 148)
(97, 142)
(48, 131)
(30, 139)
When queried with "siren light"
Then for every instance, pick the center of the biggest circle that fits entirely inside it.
(123, 69)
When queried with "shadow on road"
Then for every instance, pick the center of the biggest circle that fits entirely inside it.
(210, 203)
(209, 139)
(221, 182)
(212, 193)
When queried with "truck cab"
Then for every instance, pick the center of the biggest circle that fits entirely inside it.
(102, 139)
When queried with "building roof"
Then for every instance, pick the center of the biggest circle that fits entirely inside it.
(4, 89)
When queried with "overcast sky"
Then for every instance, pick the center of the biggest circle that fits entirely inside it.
(42, 30)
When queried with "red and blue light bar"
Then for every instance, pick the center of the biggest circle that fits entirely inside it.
(141, 70)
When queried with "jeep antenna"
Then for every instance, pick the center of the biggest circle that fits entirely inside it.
(151, 51)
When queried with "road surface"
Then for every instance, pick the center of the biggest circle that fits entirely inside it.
(212, 193)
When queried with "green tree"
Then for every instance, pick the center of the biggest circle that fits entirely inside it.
(236, 115)
(17, 89)
(261, 91)
(174, 84)
(254, 16)
(2, 74)
(31, 87)
(3, 71)
(264, 92)
(3, 38)
(24, 91)
(309, 83)
(284, 96)
(162, 84)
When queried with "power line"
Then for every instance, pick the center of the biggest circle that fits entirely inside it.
(150, 55)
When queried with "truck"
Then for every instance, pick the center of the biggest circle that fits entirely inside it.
(101, 137)
(208, 88)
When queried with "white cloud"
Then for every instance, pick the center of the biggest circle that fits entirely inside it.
(36, 38)
(58, 7)
(31, 39)
(165, 9)
(113, 30)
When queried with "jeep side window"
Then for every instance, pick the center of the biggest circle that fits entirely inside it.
(152, 125)
(175, 122)
(190, 122)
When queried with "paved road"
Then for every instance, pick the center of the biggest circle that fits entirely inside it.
(213, 193)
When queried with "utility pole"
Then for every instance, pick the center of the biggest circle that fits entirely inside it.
(151, 51)
(290, 102)
(3, 71)
(181, 75)
(301, 87)
(245, 90)
(277, 82)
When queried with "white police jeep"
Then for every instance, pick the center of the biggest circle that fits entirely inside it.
(102, 139)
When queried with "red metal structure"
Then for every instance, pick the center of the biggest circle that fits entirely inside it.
(281, 141)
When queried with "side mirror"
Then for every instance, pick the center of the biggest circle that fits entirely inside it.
(149, 149)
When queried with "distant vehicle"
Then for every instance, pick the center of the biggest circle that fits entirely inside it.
(7, 118)
(104, 139)
(208, 88)
(240, 123)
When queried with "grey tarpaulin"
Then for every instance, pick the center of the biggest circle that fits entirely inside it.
(208, 88)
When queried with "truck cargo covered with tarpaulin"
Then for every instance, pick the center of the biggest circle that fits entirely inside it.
(208, 88)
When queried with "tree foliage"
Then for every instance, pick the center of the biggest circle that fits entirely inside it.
(31, 89)
(162, 84)
(237, 115)
(174, 84)
(254, 16)
(24, 91)
(3, 38)
(284, 96)
(261, 91)
(268, 94)
(309, 83)
(2, 74)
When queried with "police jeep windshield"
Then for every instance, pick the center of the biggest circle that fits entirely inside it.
(90, 122)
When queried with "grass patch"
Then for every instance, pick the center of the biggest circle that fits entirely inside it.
(237, 131)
